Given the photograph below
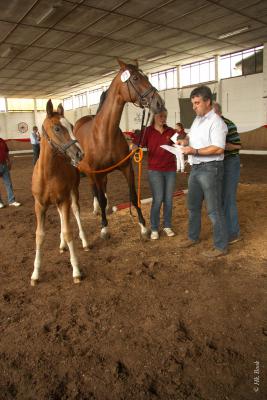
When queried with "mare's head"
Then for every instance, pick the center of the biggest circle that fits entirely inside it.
(136, 88)
(59, 133)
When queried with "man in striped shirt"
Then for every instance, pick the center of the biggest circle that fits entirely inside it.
(231, 177)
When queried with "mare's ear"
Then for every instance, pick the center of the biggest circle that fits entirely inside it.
(121, 64)
(49, 108)
(60, 110)
(136, 63)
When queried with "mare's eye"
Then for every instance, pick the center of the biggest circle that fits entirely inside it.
(135, 77)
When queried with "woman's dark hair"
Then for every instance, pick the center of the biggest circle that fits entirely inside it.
(202, 91)
(180, 124)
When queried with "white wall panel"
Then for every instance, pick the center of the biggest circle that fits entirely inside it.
(242, 101)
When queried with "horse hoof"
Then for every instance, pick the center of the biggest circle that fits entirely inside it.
(77, 279)
(34, 282)
(86, 248)
(144, 236)
(62, 249)
(105, 235)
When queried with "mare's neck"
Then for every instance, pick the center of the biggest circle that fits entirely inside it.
(112, 109)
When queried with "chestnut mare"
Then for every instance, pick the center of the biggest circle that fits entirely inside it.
(55, 181)
(102, 141)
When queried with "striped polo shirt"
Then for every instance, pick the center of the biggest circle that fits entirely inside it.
(232, 136)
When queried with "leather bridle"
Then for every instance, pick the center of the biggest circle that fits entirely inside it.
(62, 149)
(141, 96)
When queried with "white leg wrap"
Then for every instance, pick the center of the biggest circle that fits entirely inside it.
(143, 229)
(104, 232)
(96, 206)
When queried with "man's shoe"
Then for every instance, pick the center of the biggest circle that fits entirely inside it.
(235, 240)
(154, 235)
(2, 205)
(15, 204)
(184, 244)
(169, 232)
(214, 253)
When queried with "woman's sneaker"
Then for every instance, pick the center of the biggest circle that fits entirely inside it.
(154, 235)
(15, 204)
(169, 232)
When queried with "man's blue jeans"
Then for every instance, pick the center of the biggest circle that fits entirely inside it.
(205, 183)
(4, 172)
(162, 185)
(230, 182)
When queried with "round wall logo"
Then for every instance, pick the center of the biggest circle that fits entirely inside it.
(22, 127)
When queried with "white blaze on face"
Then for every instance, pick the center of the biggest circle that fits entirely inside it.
(64, 122)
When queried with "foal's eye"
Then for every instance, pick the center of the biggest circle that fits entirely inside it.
(57, 128)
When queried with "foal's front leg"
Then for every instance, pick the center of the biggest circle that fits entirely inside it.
(40, 212)
(76, 212)
(64, 209)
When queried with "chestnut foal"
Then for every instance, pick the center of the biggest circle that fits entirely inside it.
(55, 181)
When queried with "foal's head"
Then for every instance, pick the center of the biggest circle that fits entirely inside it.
(136, 88)
(59, 133)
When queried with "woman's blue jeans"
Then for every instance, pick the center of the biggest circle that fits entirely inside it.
(4, 172)
(230, 183)
(205, 183)
(162, 185)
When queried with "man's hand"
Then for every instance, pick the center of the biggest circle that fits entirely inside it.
(188, 150)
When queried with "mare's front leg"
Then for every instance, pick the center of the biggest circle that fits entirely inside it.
(64, 210)
(40, 212)
(128, 172)
(96, 205)
(101, 185)
(76, 212)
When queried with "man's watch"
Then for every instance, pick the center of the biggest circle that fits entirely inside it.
(196, 153)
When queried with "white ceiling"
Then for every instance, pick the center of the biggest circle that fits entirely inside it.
(79, 41)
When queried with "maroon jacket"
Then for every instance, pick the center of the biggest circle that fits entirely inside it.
(158, 158)
(3, 151)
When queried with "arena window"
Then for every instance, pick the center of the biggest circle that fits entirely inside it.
(201, 71)
(80, 100)
(163, 80)
(2, 104)
(20, 104)
(68, 103)
(244, 62)
(94, 96)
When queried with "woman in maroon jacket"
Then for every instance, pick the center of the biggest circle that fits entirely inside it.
(161, 172)
(5, 166)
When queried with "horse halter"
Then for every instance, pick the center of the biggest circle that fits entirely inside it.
(62, 149)
(141, 96)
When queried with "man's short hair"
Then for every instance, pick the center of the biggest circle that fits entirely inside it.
(202, 91)
(35, 127)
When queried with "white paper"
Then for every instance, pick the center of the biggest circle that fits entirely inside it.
(176, 150)
(125, 75)
(174, 137)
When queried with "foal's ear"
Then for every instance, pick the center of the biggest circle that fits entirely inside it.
(49, 108)
(60, 110)
(121, 64)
